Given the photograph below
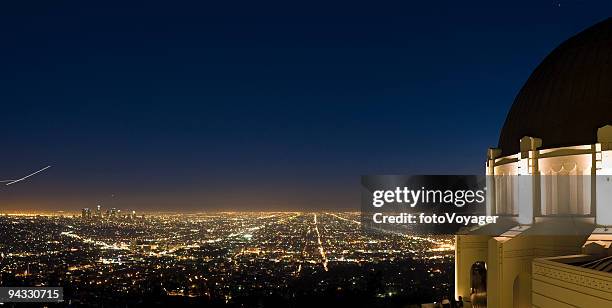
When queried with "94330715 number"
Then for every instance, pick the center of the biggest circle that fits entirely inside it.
(31, 294)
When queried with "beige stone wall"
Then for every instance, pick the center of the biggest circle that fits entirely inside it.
(510, 266)
(555, 284)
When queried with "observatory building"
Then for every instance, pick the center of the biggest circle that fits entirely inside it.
(550, 181)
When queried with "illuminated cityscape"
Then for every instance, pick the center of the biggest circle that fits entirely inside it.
(109, 258)
(402, 154)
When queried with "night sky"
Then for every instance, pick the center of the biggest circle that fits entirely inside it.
(195, 106)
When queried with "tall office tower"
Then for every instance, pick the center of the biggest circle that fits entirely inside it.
(86, 213)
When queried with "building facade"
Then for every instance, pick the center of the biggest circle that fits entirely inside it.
(550, 181)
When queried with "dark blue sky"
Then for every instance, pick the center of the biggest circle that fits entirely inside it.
(195, 106)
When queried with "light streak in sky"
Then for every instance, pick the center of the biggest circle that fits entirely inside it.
(10, 182)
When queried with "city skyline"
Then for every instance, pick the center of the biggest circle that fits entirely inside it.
(211, 106)
(232, 259)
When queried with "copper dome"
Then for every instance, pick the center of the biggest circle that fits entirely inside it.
(568, 96)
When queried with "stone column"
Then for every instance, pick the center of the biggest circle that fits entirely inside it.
(528, 173)
(492, 154)
(603, 175)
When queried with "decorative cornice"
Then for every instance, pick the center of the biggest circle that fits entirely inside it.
(575, 275)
